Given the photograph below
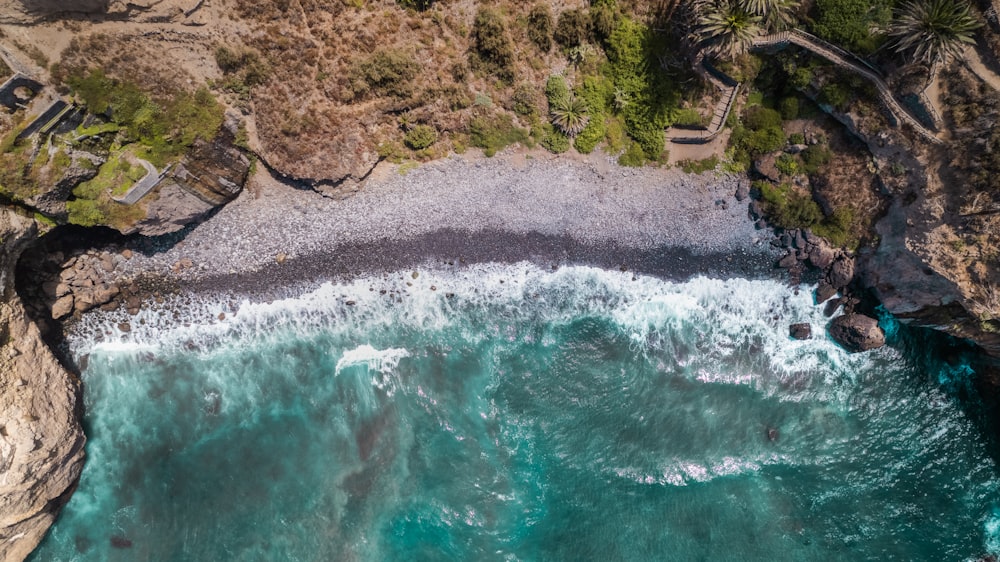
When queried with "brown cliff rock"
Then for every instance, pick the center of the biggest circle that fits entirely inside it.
(41, 441)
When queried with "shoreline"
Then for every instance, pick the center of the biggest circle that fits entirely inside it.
(508, 208)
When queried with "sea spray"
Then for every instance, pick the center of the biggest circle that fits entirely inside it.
(509, 412)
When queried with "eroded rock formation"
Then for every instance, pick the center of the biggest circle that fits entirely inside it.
(41, 441)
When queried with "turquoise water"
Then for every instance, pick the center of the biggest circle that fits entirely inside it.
(514, 413)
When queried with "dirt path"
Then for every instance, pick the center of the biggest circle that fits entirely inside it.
(979, 68)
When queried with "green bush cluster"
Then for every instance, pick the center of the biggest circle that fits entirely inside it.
(590, 136)
(493, 132)
(556, 90)
(636, 75)
(759, 117)
(420, 137)
(849, 23)
(492, 51)
(815, 156)
(789, 108)
(759, 133)
(835, 95)
(386, 72)
(790, 208)
(540, 27)
(699, 166)
(166, 127)
(243, 69)
(787, 164)
(554, 140)
(787, 207)
(634, 156)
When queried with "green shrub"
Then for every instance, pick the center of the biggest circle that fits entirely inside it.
(540, 27)
(835, 95)
(615, 136)
(787, 164)
(699, 166)
(572, 29)
(796, 138)
(749, 144)
(759, 117)
(837, 227)
(815, 156)
(787, 207)
(554, 140)
(849, 23)
(634, 156)
(801, 77)
(420, 137)
(495, 132)
(85, 212)
(556, 90)
(492, 51)
(386, 72)
(789, 108)
(590, 136)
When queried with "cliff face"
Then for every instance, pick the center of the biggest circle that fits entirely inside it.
(41, 441)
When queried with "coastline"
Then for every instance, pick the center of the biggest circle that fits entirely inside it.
(508, 208)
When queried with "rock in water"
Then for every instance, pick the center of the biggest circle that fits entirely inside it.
(800, 331)
(857, 332)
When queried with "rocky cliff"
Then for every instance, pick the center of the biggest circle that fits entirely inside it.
(41, 441)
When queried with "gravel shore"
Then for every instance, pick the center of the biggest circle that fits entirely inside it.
(513, 206)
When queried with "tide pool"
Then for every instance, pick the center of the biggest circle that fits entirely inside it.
(506, 412)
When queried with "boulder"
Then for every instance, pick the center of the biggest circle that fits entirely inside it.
(824, 291)
(801, 331)
(857, 332)
(788, 261)
(822, 255)
(743, 191)
(841, 272)
(767, 167)
(62, 307)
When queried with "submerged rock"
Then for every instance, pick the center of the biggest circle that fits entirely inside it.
(857, 332)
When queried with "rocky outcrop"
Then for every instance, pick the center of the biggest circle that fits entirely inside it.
(211, 174)
(41, 441)
(72, 284)
(54, 191)
(857, 332)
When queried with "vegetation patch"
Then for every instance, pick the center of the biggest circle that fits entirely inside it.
(495, 131)
(787, 207)
(420, 137)
(165, 128)
(387, 72)
(492, 51)
(699, 166)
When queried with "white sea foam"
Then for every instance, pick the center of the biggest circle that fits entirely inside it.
(720, 319)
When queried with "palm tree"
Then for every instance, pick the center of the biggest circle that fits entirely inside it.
(728, 26)
(570, 115)
(934, 31)
(779, 15)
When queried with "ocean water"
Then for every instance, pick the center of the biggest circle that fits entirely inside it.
(506, 412)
